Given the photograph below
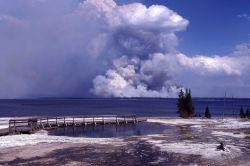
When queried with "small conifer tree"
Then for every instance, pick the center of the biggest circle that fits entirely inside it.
(207, 113)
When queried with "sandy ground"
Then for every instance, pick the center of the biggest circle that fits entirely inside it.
(190, 142)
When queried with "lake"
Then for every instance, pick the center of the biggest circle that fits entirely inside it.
(116, 106)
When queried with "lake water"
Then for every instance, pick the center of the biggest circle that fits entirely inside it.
(116, 106)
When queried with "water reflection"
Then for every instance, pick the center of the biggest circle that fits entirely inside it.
(106, 131)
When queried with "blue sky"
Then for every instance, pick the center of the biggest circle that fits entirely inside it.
(214, 25)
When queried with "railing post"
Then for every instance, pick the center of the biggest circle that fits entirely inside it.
(94, 120)
(134, 118)
(85, 123)
(117, 120)
(9, 126)
(14, 126)
(31, 125)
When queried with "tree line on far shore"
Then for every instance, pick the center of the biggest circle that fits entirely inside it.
(186, 108)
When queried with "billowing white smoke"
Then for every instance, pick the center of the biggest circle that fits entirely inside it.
(139, 32)
(137, 78)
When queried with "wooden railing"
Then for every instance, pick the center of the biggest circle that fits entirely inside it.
(30, 125)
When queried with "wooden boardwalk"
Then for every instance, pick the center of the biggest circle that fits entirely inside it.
(30, 125)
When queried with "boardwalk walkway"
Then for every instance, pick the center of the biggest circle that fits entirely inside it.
(30, 125)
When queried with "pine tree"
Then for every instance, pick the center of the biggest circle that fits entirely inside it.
(190, 106)
(180, 102)
(207, 113)
(185, 104)
(242, 114)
